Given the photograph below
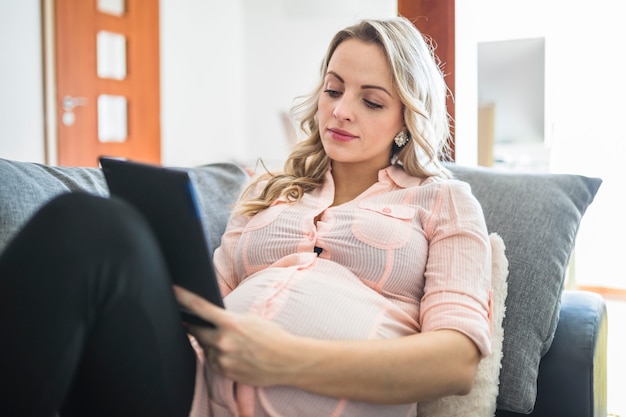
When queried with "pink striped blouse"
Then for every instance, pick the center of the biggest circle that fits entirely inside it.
(408, 255)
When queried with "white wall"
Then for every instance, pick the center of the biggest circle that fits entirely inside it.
(585, 91)
(589, 137)
(202, 89)
(21, 81)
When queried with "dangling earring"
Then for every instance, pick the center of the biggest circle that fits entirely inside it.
(401, 139)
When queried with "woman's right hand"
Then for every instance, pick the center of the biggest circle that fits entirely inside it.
(243, 347)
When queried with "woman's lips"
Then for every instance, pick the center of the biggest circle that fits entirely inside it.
(341, 135)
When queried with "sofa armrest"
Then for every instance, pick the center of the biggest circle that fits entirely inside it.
(572, 377)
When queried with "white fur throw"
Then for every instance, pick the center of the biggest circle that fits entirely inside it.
(481, 401)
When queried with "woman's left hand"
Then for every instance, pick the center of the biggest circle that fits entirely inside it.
(243, 347)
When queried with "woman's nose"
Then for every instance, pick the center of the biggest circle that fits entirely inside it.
(343, 109)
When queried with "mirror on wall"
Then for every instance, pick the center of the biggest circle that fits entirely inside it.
(511, 104)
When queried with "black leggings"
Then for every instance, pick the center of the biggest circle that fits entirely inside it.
(89, 325)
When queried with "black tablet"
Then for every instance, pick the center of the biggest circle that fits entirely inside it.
(167, 199)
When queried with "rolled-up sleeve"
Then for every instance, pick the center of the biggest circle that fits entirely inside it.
(458, 271)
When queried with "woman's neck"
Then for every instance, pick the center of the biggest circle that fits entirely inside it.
(352, 181)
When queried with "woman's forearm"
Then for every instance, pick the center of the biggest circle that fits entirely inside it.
(254, 351)
(408, 369)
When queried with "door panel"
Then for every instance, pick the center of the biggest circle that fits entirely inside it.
(436, 19)
(77, 23)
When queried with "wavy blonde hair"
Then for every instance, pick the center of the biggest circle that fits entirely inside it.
(418, 82)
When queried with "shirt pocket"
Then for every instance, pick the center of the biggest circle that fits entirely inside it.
(383, 226)
(267, 216)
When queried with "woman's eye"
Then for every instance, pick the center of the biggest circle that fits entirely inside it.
(332, 93)
(373, 105)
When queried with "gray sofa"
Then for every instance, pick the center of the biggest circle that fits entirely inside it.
(554, 348)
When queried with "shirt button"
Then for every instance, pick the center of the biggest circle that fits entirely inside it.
(311, 235)
(387, 210)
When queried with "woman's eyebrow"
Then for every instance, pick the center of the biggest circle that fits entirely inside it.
(337, 76)
(376, 87)
(364, 87)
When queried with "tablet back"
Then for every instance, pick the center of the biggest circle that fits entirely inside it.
(166, 198)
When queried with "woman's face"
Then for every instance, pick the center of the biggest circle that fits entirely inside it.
(359, 112)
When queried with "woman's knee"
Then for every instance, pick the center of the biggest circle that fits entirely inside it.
(80, 220)
(80, 234)
(83, 211)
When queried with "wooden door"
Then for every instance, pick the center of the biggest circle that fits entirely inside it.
(436, 19)
(107, 80)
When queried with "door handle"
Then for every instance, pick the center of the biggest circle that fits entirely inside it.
(69, 102)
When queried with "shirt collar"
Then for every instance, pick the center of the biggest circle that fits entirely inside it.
(396, 175)
(393, 174)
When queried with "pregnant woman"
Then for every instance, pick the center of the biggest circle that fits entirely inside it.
(356, 281)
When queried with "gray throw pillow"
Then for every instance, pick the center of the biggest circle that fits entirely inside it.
(218, 186)
(26, 186)
(537, 216)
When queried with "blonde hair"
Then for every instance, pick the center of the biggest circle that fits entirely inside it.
(420, 85)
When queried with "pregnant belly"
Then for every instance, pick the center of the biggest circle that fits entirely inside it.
(317, 298)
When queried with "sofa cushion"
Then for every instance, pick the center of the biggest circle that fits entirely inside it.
(218, 186)
(25, 186)
(537, 216)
